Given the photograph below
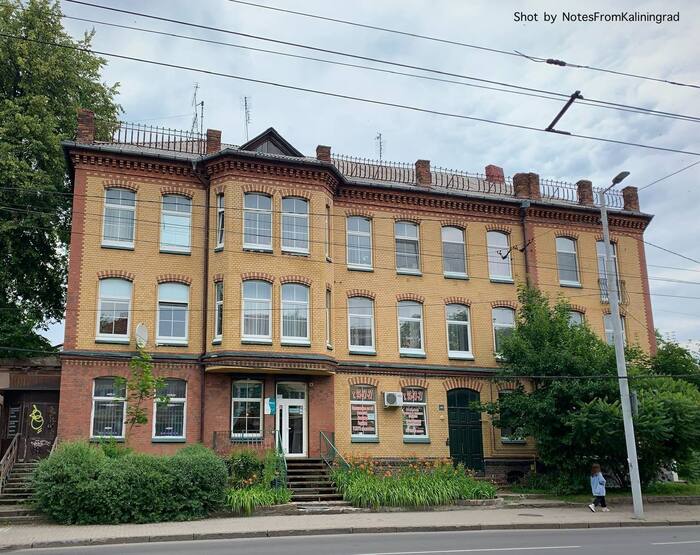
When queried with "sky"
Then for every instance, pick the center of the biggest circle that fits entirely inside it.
(163, 96)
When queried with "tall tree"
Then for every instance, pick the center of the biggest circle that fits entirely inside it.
(41, 88)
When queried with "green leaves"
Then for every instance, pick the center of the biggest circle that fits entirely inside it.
(245, 500)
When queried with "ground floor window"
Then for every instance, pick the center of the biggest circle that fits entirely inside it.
(414, 408)
(246, 410)
(108, 408)
(169, 421)
(363, 411)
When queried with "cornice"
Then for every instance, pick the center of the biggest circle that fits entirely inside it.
(126, 163)
(541, 214)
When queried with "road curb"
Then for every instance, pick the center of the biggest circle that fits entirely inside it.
(344, 530)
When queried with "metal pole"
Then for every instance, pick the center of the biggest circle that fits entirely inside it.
(611, 277)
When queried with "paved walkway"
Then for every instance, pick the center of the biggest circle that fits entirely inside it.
(477, 518)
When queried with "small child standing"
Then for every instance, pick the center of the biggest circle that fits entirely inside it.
(598, 489)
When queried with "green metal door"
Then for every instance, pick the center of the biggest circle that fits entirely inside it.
(466, 442)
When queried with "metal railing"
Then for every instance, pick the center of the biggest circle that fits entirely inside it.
(281, 481)
(605, 293)
(160, 138)
(378, 170)
(225, 443)
(8, 461)
(329, 452)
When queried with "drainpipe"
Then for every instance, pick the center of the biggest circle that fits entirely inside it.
(524, 205)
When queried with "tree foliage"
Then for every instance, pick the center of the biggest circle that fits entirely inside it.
(573, 409)
(41, 88)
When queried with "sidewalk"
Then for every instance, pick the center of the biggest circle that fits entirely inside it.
(476, 518)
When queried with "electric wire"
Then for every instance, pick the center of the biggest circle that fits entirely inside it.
(669, 175)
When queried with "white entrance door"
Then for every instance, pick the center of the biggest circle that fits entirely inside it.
(291, 418)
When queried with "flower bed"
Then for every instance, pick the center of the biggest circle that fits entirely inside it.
(254, 482)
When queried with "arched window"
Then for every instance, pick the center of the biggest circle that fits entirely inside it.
(503, 326)
(407, 247)
(257, 311)
(454, 262)
(361, 325)
(119, 218)
(359, 243)
(169, 416)
(114, 310)
(499, 256)
(459, 335)
(295, 225)
(414, 408)
(363, 412)
(246, 409)
(173, 311)
(108, 407)
(567, 262)
(576, 318)
(219, 310)
(295, 314)
(220, 221)
(411, 328)
(175, 224)
(257, 222)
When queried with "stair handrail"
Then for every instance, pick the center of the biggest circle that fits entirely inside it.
(8, 461)
(281, 462)
(331, 454)
(53, 445)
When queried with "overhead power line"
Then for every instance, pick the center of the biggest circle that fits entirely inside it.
(378, 60)
(345, 96)
(669, 175)
(672, 252)
(515, 53)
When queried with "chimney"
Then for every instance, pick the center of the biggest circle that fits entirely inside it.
(213, 141)
(534, 181)
(423, 176)
(527, 185)
(494, 174)
(323, 153)
(86, 126)
(585, 192)
(631, 198)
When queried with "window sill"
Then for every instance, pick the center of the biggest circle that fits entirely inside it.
(114, 340)
(170, 251)
(572, 285)
(360, 268)
(252, 341)
(368, 353)
(463, 277)
(100, 439)
(168, 440)
(167, 343)
(118, 247)
(219, 248)
(296, 253)
(364, 440)
(295, 343)
(257, 249)
(257, 439)
(416, 273)
(455, 356)
(501, 280)
(513, 441)
(416, 440)
(412, 355)
(216, 341)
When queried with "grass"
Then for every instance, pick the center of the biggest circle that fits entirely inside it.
(245, 500)
(657, 488)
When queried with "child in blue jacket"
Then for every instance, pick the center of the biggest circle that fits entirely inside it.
(598, 489)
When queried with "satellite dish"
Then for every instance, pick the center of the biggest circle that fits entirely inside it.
(141, 335)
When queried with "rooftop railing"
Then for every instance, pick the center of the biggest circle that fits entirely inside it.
(160, 138)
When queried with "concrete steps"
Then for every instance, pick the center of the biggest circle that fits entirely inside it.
(16, 495)
(310, 482)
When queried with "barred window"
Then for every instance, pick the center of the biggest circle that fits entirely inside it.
(108, 407)
(176, 220)
(246, 409)
(169, 420)
(119, 218)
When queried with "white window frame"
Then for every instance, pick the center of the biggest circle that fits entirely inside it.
(572, 242)
(416, 239)
(361, 349)
(111, 399)
(348, 233)
(424, 404)
(113, 337)
(220, 220)
(293, 340)
(493, 252)
(329, 301)
(172, 401)
(602, 269)
(295, 216)
(500, 326)
(163, 212)
(257, 246)
(375, 435)
(175, 340)
(247, 338)
(583, 318)
(120, 207)
(218, 311)
(406, 350)
(329, 233)
(463, 244)
(463, 355)
(260, 400)
(610, 331)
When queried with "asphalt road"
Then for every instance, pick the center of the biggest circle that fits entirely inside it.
(682, 540)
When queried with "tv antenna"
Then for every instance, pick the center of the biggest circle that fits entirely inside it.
(247, 106)
(197, 118)
(379, 139)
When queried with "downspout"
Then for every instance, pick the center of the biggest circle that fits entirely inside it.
(527, 240)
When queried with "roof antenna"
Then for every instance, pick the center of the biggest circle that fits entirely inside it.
(380, 145)
(247, 106)
(197, 119)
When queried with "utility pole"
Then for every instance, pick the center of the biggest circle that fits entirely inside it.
(611, 278)
(246, 114)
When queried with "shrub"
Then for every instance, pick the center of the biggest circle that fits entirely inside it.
(690, 469)
(245, 500)
(113, 449)
(553, 483)
(245, 468)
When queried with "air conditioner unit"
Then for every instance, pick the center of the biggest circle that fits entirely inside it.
(393, 399)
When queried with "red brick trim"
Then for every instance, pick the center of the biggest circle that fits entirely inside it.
(120, 183)
(360, 293)
(122, 163)
(613, 238)
(454, 223)
(358, 212)
(176, 190)
(286, 193)
(504, 304)
(258, 188)
(220, 190)
(463, 383)
(410, 297)
(498, 227)
(218, 278)
(258, 275)
(509, 385)
(623, 311)
(174, 278)
(648, 314)
(75, 262)
(567, 234)
(578, 308)
(104, 274)
(457, 300)
(414, 382)
(363, 380)
(407, 218)
(296, 279)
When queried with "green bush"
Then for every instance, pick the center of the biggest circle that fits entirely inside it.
(245, 500)
(690, 468)
(79, 484)
(245, 468)
(411, 486)
(555, 484)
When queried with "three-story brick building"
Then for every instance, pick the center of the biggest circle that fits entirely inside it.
(292, 295)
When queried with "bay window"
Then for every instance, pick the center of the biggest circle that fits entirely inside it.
(219, 310)
(220, 221)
